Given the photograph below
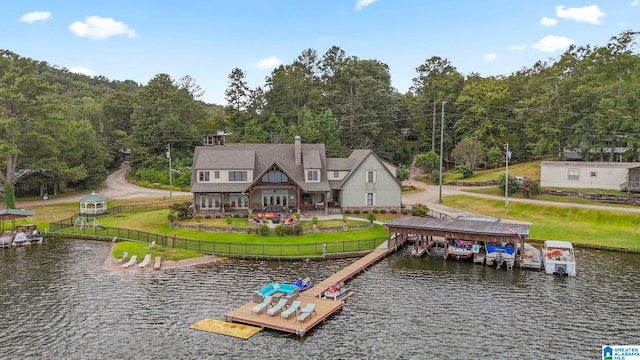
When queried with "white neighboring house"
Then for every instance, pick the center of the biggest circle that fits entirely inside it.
(622, 176)
(245, 177)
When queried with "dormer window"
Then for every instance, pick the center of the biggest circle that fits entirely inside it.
(312, 175)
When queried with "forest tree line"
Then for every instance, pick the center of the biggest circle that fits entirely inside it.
(65, 129)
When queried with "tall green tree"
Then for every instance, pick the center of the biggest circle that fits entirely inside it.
(166, 112)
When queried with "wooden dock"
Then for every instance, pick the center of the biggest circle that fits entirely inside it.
(324, 307)
(348, 272)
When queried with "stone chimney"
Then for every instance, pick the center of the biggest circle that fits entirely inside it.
(297, 148)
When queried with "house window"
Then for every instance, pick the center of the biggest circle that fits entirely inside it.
(275, 177)
(237, 176)
(336, 174)
(370, 198)
(203, 176)
(312, 175)
(594, 174)
(209, 201)
(371, 176)
(216, 174)
(574, 174)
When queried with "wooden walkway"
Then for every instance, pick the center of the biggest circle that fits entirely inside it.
(348, 272)
(324, 307)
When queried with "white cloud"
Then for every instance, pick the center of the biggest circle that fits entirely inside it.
(361, 4)
(589, 14)
(552, 43)
(82, 70)
(96, 27)
(35, 16)
(635, 2)
(267, 63)
(517, 47)
(545, 21)
(489, 57)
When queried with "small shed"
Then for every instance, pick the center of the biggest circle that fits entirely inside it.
(93, 204)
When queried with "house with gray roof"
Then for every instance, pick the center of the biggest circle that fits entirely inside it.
(288, 178)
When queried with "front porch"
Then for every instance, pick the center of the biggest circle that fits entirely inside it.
(284, 202)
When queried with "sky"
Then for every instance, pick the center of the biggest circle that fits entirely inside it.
(206, 39)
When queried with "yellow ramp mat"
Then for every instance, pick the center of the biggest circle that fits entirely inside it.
(226, 328)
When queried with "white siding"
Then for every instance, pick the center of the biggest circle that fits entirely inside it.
(387, 191)
(590, 175)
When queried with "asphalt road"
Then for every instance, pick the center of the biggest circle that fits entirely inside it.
(116, 186)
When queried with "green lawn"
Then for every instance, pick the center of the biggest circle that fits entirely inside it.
(585, 226)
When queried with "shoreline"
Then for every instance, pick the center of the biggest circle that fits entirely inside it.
(113, 263)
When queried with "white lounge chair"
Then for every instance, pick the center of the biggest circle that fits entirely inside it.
(145, 261)
(131, 261)
(125, 255)
(261, 306)
(277, 307)
(153, 243)
(306, 312)
(291, 310)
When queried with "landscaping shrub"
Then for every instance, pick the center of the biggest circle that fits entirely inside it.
(263, 230)
(293, 229)
(404, 211)
(393, 211)
(280, 230)
(418, 212)
(529, 188)
(207, 216)
(181, 209)
(375, 211)
(218, 216)
(356, 211)
(236, 216)
(383, 211)
(371, 217)
(347, 212)
(365, 211)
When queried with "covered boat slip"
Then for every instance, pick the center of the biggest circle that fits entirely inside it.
(427, 232)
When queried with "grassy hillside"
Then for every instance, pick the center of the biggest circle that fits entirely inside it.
(529, 169)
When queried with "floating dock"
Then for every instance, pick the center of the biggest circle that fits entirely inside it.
(226, 328)
(324, 307)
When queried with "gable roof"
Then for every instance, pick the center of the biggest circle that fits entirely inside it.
(229, 156)
(357, 157)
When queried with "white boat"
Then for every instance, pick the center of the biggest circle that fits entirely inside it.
(501, 254)
(530, 257)
(20, 239)
(558, 258)
(33, 234)
(5, 239)
(459, 249)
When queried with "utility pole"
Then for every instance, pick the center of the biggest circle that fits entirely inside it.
(441, 151)
(170, 173)
(507, 157)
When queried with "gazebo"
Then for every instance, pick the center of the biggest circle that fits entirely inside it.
(93, 204)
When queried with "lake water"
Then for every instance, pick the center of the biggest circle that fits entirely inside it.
(59, 301)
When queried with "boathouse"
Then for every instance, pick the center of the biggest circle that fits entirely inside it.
(423, 231)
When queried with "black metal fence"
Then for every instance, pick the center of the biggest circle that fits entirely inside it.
(70, 227)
